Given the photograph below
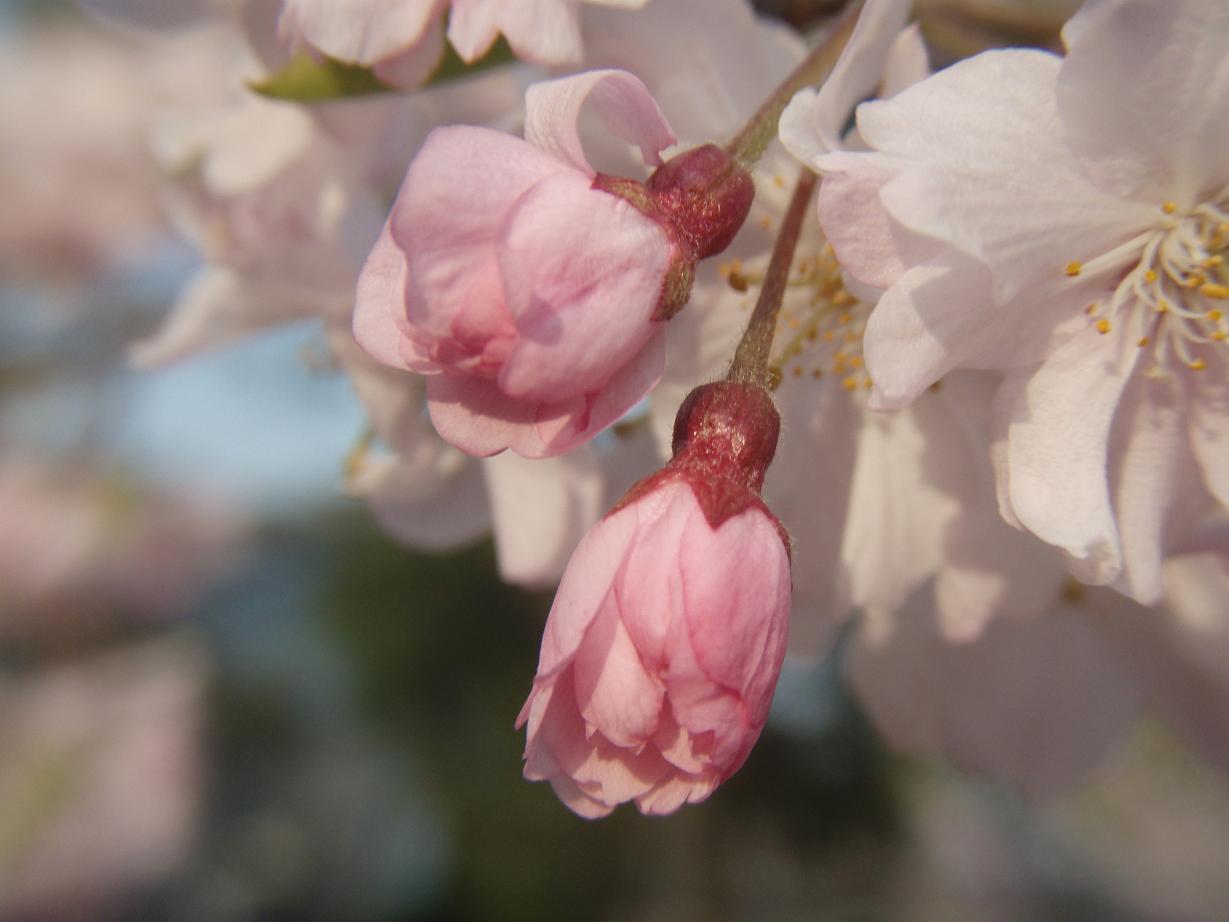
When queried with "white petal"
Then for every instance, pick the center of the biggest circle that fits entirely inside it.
(939, 315)
(433, 499)
(541, 509)
(992, 174)
(709, 63)
(1039, 702)
(1057, 450)
(813, 122)
(1144, 96)
(1152, 469)
(908, 62)
(217, 307)
(897, 515)
(624, 103)
(1209, 432)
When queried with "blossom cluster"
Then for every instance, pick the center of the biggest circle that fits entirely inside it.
(990, 363)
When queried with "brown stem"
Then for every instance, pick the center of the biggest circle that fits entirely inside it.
(750, 362)
(750, 143)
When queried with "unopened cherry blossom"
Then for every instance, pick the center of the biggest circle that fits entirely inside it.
(531, 289)
(1065, 219)
(663, 647)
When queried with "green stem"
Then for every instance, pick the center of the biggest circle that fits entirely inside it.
(750, 362)
(750, 143)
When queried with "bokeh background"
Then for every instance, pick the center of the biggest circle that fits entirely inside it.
(225, 694)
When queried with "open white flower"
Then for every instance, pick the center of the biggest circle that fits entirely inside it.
(1067, 219)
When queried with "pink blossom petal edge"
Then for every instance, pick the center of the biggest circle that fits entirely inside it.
(624, 103)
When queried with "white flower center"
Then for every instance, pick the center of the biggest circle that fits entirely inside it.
(1174, 298)
(820, 326)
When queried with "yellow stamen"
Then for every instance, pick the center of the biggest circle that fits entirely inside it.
(1198, 365)
(1074, 268)
(1169, 207)
(1214, 290)
(1103, 325)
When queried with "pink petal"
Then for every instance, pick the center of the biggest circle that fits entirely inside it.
(449, 214)
(652, 598)
(561, 427)
(476, 416)
(586, 587)
(614, 692)
(552, 115)
(667, 797)
(736, 597)
(580, 267)
(1135, 63)
(576, 800)
(380, 326)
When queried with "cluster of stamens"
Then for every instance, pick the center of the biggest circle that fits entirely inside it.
(820, 325)
(1175, 298)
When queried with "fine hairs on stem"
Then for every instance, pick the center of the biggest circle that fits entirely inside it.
(750, 143)
(750, 362)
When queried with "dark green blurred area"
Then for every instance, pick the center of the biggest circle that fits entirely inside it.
(441, 654)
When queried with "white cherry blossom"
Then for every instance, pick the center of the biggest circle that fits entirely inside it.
(1065, 219)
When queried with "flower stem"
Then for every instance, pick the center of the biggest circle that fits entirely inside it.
(751, 142)
(750, 362)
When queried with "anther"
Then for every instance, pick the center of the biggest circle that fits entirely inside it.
(1103, 325)
(1074, 268)
(1169, 207)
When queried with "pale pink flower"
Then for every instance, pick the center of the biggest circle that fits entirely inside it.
(530, 288)
(1064, 218)
(663, 647)
(402, 40)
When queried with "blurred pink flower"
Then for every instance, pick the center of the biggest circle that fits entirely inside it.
(77, 548)
(663, 647)
(100, 778)
(529, 287)
(80, 191)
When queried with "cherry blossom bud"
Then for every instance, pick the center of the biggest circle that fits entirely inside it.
(664, 644)
(531, 289)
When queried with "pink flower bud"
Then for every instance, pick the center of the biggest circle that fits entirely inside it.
(529, 288)
(666, 638)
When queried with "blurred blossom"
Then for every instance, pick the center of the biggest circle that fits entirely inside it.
(77, 546)
(80, 191)
(100, 778)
